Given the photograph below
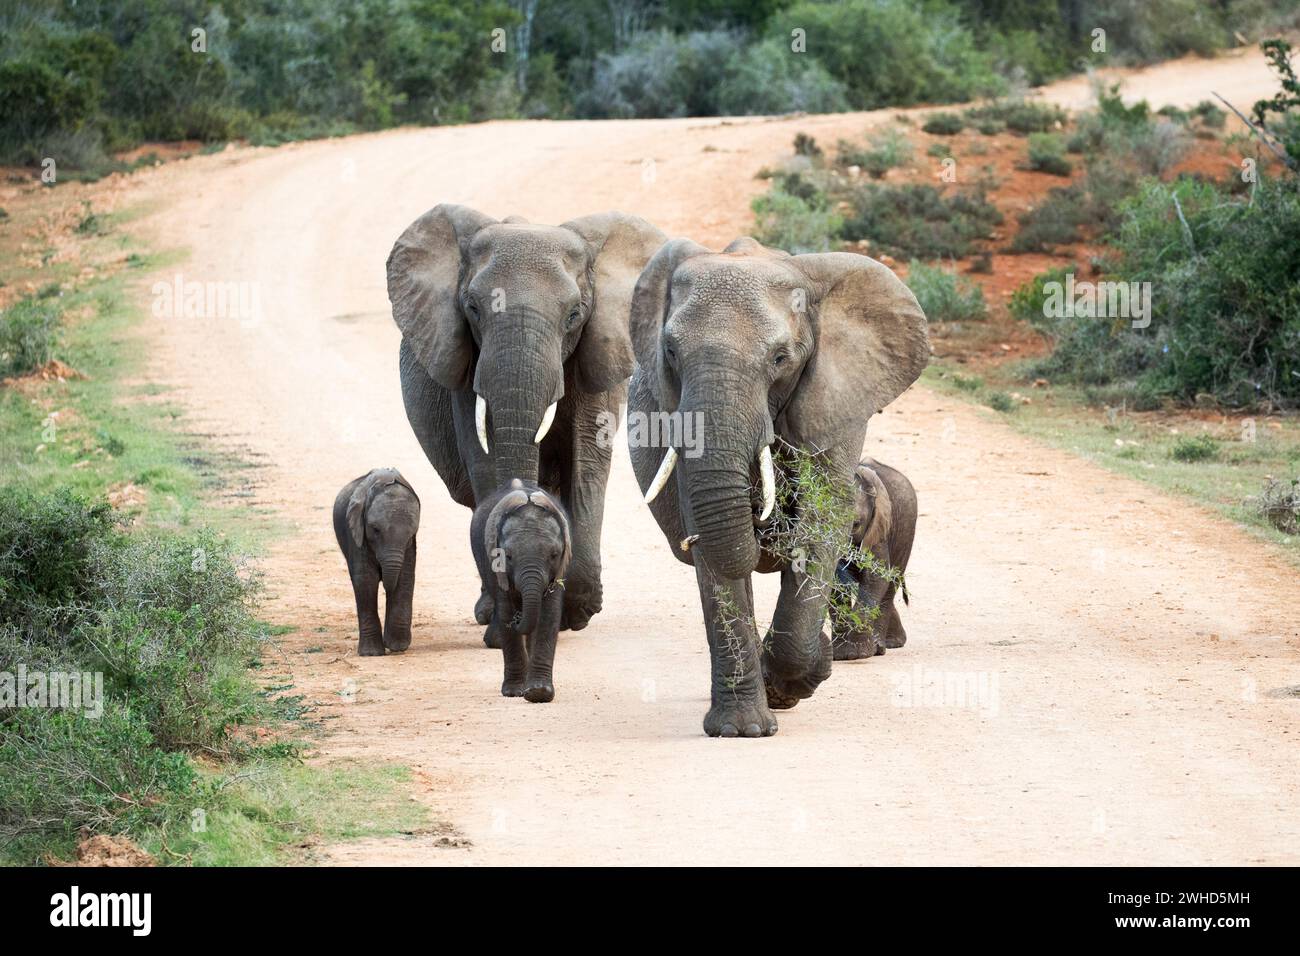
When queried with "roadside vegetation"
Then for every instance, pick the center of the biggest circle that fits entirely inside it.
(119, 560)
(1194, 215)
(82, 81)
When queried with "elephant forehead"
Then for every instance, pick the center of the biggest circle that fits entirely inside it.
(528, 246)
(731, 279)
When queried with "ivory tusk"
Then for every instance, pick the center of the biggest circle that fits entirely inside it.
(480, 422)
(769, 481)
(546, 423)
(662, 475)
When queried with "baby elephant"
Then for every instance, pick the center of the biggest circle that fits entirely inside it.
(520, 538)
(884, 524)
(375, 520)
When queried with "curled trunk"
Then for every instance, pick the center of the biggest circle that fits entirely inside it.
(531, 583)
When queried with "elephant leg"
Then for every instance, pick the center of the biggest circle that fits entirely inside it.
(539, 688)
(738, 703)
(584, 496)
(866, 635)
(513, 653)
(365, 587)
(796, 654)
(895, 636)
(399, 606)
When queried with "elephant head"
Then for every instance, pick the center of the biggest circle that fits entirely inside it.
(528, 543)
(759, 344)
(384, 512)
(507, 308)
(872, 509)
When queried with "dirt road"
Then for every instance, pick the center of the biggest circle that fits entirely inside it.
(1095, 671)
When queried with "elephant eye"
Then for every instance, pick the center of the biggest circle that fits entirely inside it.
(471, 307)
(779, 359)
(574, 318)
(671, 353)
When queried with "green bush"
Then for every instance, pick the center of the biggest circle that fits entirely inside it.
(28, 333)
(1001, 402)
(945, 296)
(167, 620)
(1053, 222)
(1193, 448)
(764, 78)
(1026, 302)
(893, 52)
(795, 222)
(944, 124)
(887, 150)
(919, 221)
(1022, 116)
(1047, 154)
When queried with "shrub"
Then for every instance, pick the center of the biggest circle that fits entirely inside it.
(1193, 448)
(945, 296)
(28, 331)
(1047, 154)
(893, 52)
(793, 222)
(1022, 116)
(1026, 302)
(1001, 402)
(1279, 504)
(765, 78)
(919, 221)
(939, 151)
(944, 124)
(168, 620)
(888, 149)
(1053, 222)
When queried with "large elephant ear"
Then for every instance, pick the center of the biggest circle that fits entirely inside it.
(650, 298)
(620, 247)
(423, 286)
(872, 343)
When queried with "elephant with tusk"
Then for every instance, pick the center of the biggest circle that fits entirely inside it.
(761, 345)
(514, 361)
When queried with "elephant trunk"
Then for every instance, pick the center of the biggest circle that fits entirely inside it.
(530, 581)
(390, 567)
(520, 376)
(717, 487)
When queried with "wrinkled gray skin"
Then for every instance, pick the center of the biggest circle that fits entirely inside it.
(884, 523)
(375, 520)
(522, 315)
(520, 537)
(762, 345)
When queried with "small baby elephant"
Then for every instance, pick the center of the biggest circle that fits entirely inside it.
(520, 537)
(884, 524)
(375, 520)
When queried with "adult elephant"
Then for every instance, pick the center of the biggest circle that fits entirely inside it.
(754, 345)
(514, 360)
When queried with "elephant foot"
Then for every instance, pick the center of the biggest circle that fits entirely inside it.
(579, 607)
(539, 692)
(740, 718)
(492, 638)
(895, 639)
(483, 608)
(856, 647)
(512, 688)
(370, 648)
(399, 643)
(784, 685)
(779, 700)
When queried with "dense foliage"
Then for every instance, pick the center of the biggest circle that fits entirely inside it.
(79, 77)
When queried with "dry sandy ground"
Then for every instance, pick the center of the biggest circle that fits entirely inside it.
(1124, 653)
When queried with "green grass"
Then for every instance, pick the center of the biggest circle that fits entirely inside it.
(165, 745)
(1142, 446)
